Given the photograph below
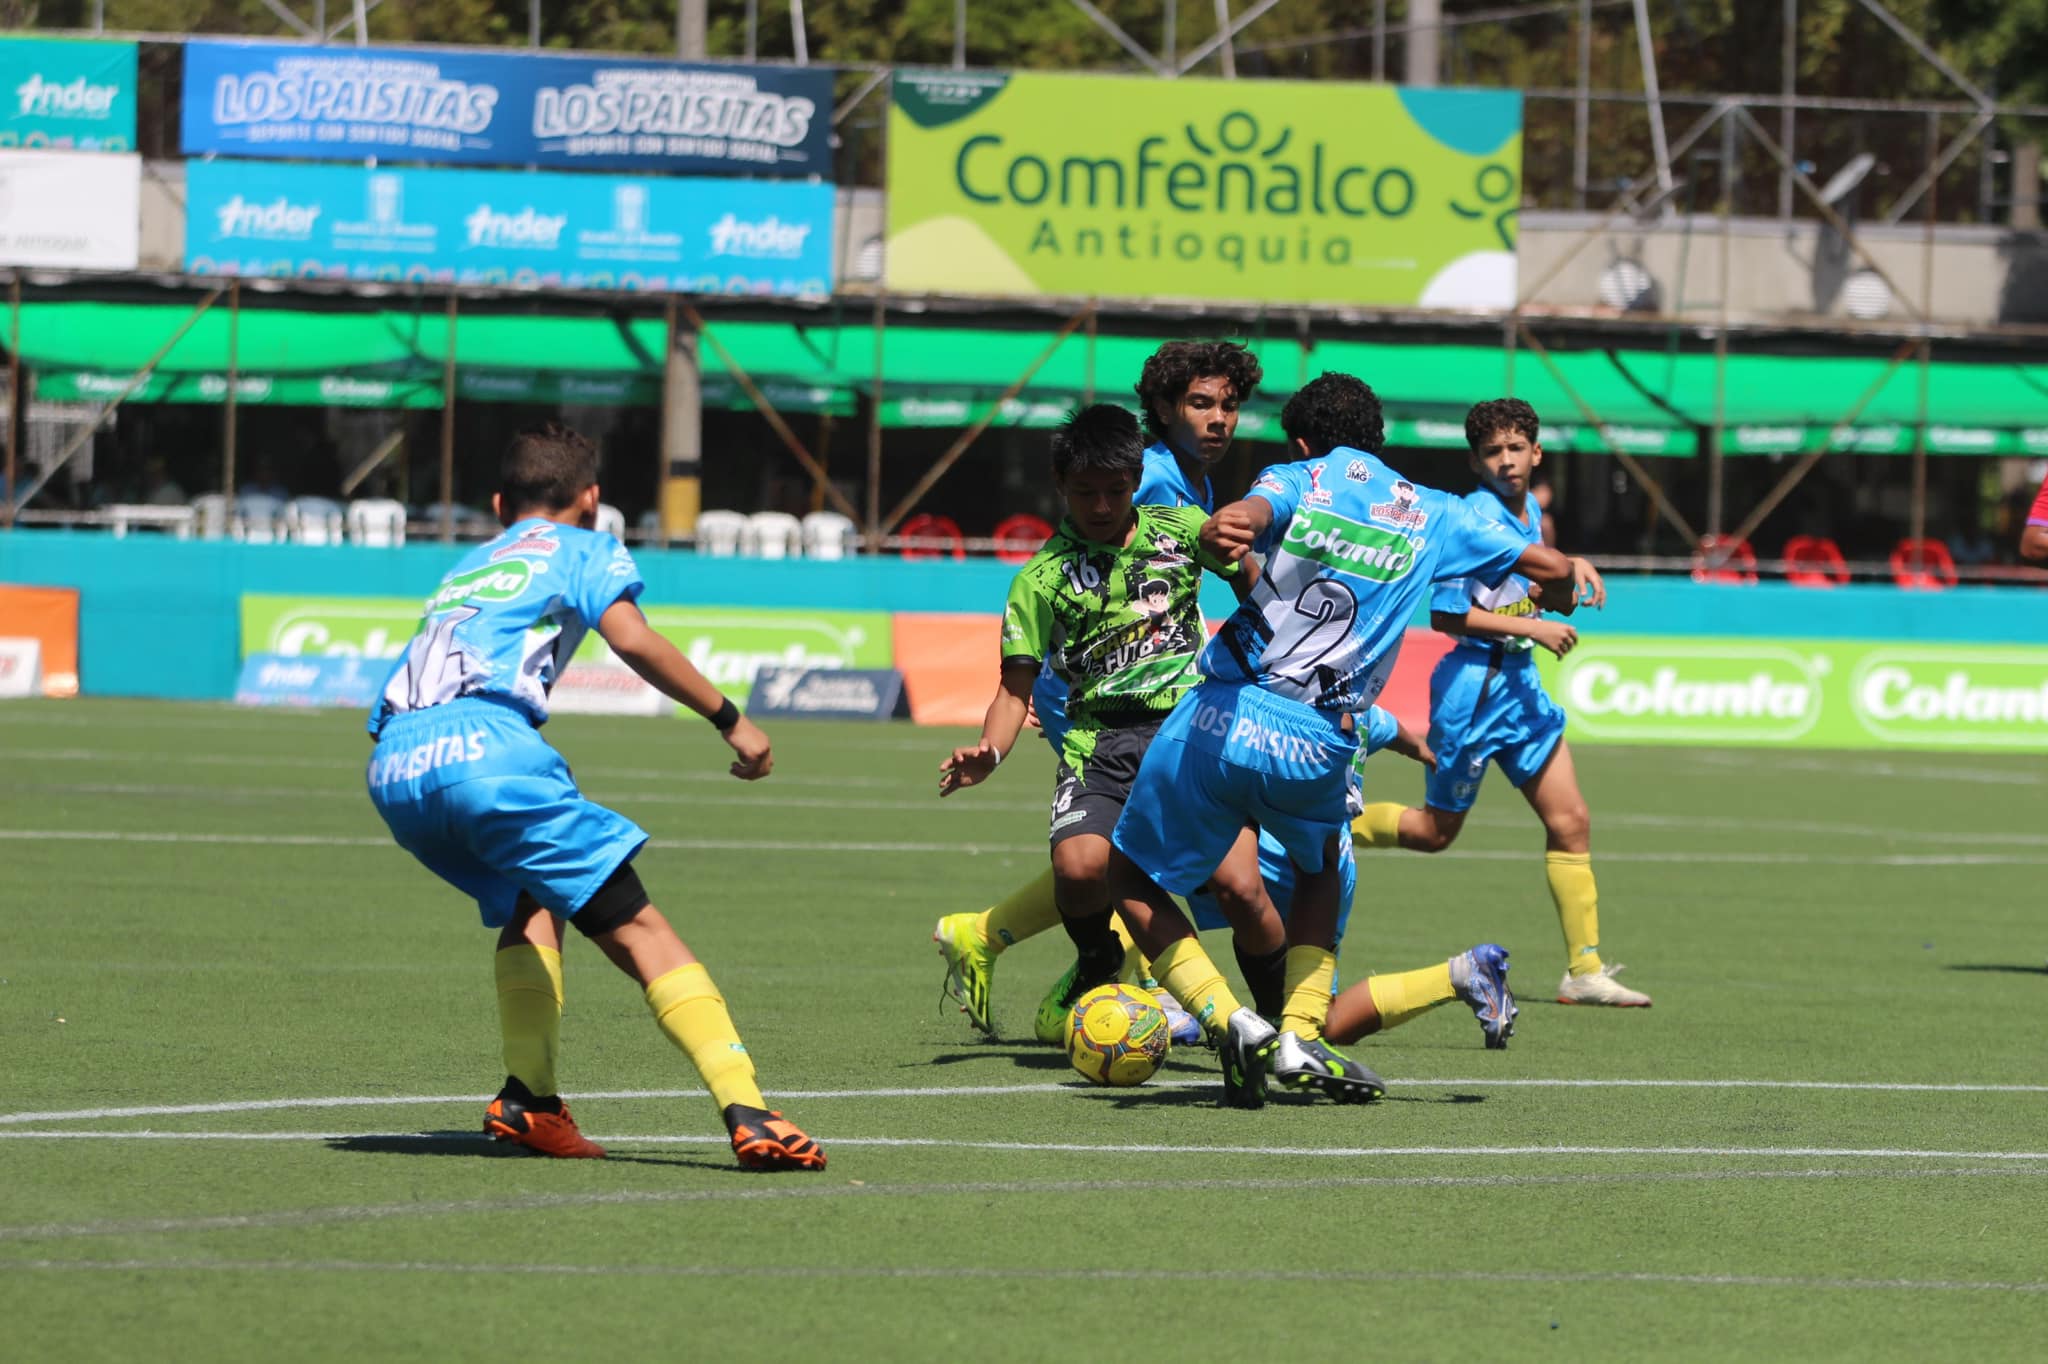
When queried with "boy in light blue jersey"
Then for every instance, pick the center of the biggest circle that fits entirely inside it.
(467, 785)
(1190, 393)
(1488, 705)
(1267, 740)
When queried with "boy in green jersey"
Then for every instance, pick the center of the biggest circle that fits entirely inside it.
(1111, 602)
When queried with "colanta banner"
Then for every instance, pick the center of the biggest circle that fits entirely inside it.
(70, 210)
(508, 109)
(76, 95)
(1810, 693)
(728, 645)
(1277, 191)
(525, 230)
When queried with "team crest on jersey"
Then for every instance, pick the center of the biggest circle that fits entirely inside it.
(1270, 482)
(1317, 495)
(1167, 553)
(1358, 471)
(1403, 510)
(540, 540)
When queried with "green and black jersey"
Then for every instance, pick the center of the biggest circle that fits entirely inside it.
(1121, 625)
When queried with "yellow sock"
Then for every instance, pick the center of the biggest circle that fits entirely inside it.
(692, 1013)
(1137, 968)
(1310, 973)
(530, 1013)
(1188, 974)
(1578, 908)
(1410, 994)
(1379, 826)
(1025, 912)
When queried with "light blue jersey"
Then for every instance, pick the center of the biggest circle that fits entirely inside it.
(1350, 553)
(460, 773)
(1163, 484)
(1486, 699)
(504, 623)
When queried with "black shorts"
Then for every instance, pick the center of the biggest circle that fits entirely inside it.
(1089, 801)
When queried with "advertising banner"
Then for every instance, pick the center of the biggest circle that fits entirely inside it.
(1276, 191)
(60, 93)
(507, 109)
(1810, 693)
(728, 645)
(48, 616)
(70, 210)
(829, 693)
(348, 681)
(509, 228)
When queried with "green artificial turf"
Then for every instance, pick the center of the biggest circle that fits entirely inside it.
(201, 908)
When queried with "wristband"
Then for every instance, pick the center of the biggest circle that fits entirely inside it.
(725, 717)
(999, 756)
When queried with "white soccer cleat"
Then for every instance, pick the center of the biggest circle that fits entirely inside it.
(1600, 987)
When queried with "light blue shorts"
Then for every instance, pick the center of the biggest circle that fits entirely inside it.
(474, 792)
(1276, 869)
(1485, 708)
(1226, 757)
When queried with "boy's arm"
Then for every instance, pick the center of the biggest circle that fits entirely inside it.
(1229, 534)
(972, 765)
(1479, 623)
(665, 669)
(1553, 573)
(1409, 744)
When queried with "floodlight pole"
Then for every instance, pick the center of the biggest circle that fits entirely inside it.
(1648, 54)
(229, 413)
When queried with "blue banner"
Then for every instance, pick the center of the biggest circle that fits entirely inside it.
(310, 680)
(521, 229)
(839, 693)
(80, 95)
(505, 108)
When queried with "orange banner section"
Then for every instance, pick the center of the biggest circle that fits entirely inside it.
(950, 665)
(49, 615)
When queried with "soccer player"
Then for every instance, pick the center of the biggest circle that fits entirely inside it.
(1190, 392)
(1267, 740)
(1086, 604)
(1488, 705)
(469, 787)
(2034, 539)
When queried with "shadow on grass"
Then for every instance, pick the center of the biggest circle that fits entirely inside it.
(1208, 1096)
(1026, 1056)
(1994, 966)
(479, 1147)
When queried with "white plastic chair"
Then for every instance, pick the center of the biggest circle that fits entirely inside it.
(210, 516)
(828, 535)
(377, 521)
(257, 518)
(719, 532)
(773, 535)
(650, 525)
(611, 521)
(314, 521)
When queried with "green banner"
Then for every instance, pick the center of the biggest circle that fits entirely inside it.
(728, 645)
(1810, 693)
(1275, 191)
(265, 390)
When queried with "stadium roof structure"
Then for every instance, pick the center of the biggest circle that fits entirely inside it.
(1633, 399)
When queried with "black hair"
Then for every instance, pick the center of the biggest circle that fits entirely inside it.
(1177, 364)
(1103, 437)
(1489, 418)
(546, 468)
(1333, 410)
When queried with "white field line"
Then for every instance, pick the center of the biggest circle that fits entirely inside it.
(803, 1189)
(1076, 1274)
(1104, 1148)
(1778, 761)
(693, 774)
(968, 1091)
(974, 849)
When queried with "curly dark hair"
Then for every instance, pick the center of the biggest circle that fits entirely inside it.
(1177, 364)
(546, 468)
(1333, 410)
(1495, 415)
(1103, 437)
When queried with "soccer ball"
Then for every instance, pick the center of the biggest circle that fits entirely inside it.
(1117, 1035)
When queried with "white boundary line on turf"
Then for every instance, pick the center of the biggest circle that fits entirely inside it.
(972, 849)
(788, 1273)
(1102, 1148)
(974, 1091)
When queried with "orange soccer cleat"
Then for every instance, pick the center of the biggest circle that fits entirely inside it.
(764, 1140)
(537, 1129)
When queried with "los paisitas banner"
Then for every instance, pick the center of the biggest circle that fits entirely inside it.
(1805, 693)
(524, 229)
(1274, 191)
(508, 109)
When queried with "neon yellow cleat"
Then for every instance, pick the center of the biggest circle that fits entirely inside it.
(970, 967)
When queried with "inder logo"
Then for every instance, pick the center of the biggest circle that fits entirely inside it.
(1691, 693)
(1989, 698)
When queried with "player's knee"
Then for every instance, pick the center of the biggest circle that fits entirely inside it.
(1081, 863)
(1435, 834)
(1572, 824)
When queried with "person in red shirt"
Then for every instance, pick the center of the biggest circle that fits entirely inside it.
(2034, 539)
